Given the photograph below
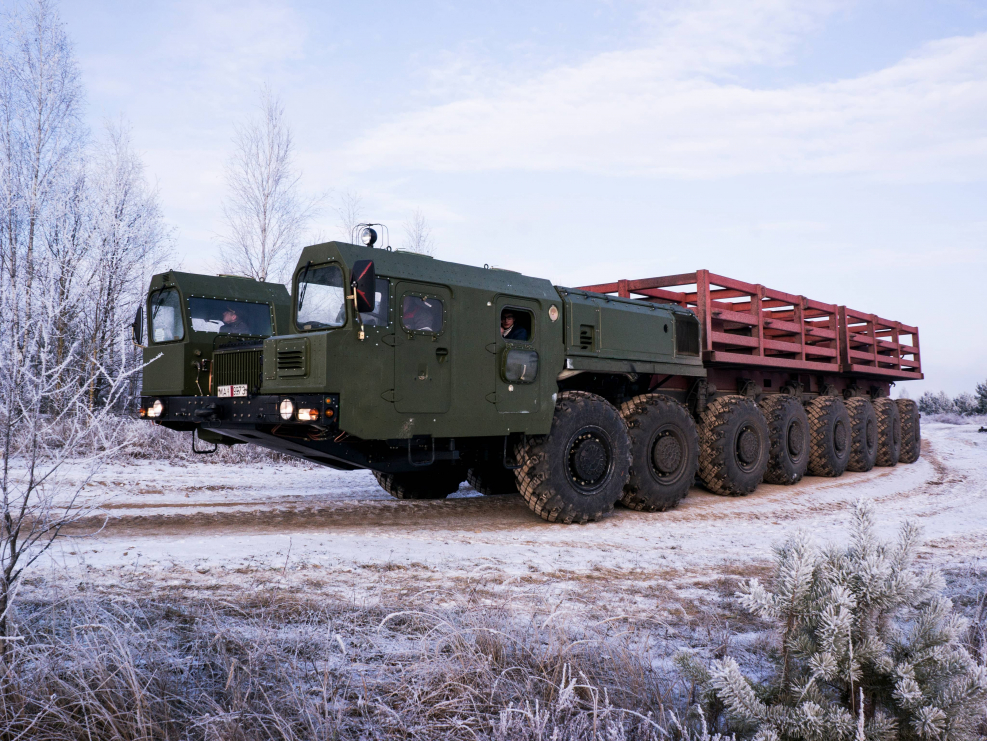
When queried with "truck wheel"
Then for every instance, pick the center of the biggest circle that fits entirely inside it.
(433, 483)
(788, 433)
(829, 436)
(911, 431)
(888, 432)
(863, 434)
(733, 446)
(664, 452)
(492, 478)
(578, 471)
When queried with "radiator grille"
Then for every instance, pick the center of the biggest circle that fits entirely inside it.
(238, 367)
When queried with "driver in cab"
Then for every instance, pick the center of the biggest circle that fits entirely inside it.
(232, 323)
(509, 330)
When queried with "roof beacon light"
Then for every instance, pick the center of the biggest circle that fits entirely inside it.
(368, 236)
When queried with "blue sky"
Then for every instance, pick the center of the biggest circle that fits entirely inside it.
(832, 148)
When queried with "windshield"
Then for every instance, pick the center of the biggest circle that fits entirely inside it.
(321, 298)
(166, 316)
(230, 317)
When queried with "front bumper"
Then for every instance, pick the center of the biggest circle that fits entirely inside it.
(186, 412)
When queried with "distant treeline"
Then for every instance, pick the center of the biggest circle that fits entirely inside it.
(965, 403)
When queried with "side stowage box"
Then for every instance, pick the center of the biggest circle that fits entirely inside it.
(622, 329)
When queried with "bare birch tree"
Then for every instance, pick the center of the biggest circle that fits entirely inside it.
(418, 234)
(349, 212)
(80, 231)
(264, 213)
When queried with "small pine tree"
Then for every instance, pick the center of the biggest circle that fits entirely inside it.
(935, 403)
(966, 403)
(869, 649)
(982, 398)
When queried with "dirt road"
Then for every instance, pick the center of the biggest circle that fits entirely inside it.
(207, 519)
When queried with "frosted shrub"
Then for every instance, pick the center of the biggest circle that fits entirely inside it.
(869, 648)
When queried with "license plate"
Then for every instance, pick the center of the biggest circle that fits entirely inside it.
(237, 389)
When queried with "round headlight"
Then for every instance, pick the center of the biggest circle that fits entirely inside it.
(156, 409)
(368, 236)
(287, 409)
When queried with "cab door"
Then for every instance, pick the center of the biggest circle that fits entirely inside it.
(517, 381)
(422, 351)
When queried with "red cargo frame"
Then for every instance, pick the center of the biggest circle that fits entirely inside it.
(747, 324)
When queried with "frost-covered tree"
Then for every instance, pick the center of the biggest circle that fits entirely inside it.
(418, 234)
(982, 398)
(936, 403)
(79, 232)
(349, 211)
(966, 403)
(265, 214)
(868, 648)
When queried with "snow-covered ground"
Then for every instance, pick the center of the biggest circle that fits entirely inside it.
(209, 526)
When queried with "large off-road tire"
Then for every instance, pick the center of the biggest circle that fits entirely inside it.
(829, 436)
(911, 431)
(664, 452)
(788, 432)
(578, 471)
(733, 446)
(436, 482)
(863, 434)
(491, 478)
(888, 432)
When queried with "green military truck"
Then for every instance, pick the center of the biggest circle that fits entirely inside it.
(431, 373)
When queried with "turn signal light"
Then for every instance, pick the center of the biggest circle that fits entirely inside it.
(329, 412)
(308, 415)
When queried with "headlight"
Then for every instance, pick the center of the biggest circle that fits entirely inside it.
(368, 236)
(287, 409)
(308, 415)
(156, 409)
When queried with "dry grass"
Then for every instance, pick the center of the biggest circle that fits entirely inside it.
(282, 667)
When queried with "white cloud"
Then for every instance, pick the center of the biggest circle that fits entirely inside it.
(671, 109)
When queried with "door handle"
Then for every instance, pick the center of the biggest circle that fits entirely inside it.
(441, 353)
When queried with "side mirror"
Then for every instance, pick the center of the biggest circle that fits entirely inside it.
(364, 285)
(137, 328)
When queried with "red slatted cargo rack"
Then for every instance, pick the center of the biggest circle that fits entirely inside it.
(749, 325)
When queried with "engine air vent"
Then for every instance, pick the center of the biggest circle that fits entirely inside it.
(586, 332)
(292, 358)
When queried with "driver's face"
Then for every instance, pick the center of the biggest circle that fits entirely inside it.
(507, 321)
(229, 317)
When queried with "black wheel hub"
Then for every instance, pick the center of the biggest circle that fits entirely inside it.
(796, 439)
(590, 459)
(840, 436)
(666, 455)
(748, 446)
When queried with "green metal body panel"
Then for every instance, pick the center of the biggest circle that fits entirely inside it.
(606, 334)
(171, 367)
(397, 384)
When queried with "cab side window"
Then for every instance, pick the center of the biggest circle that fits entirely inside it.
(166, 316)
(421, 314)
(516, 325)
